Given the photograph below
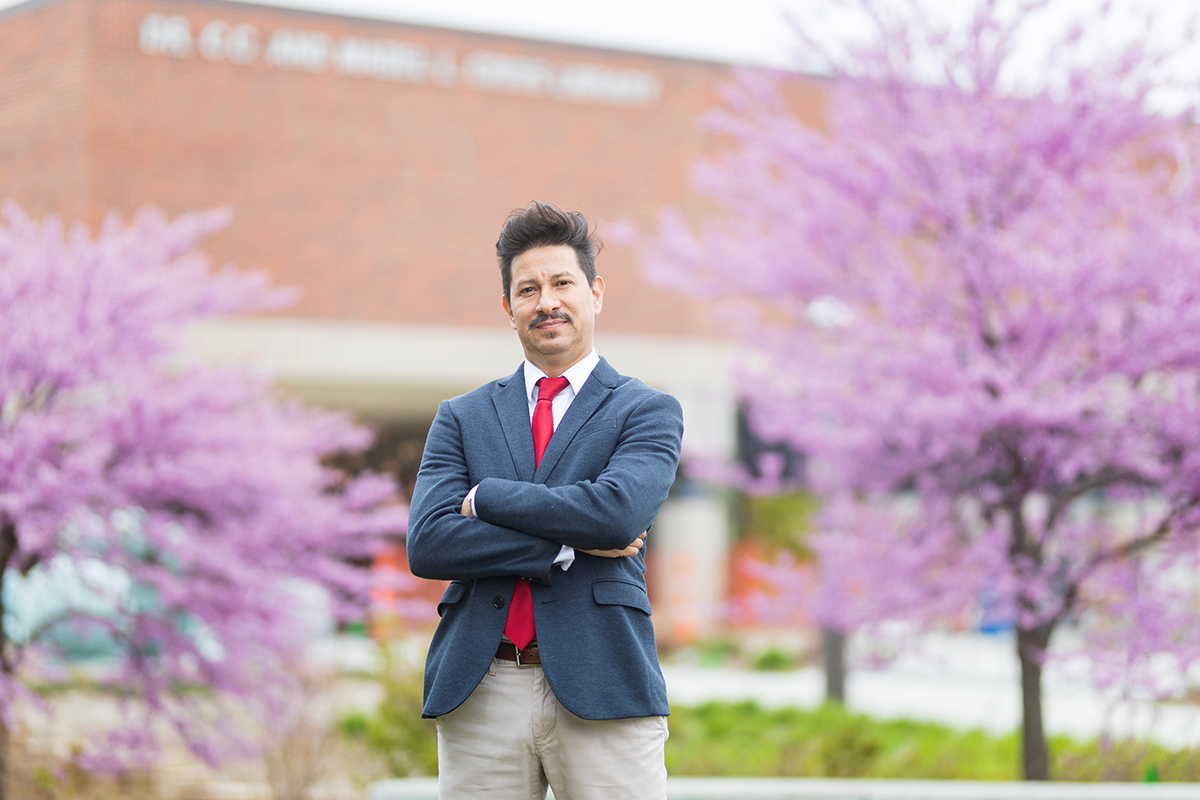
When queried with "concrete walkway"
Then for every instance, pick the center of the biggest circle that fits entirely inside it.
(825, 789)
(962, 680)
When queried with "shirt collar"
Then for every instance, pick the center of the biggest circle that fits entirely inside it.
(576, 374)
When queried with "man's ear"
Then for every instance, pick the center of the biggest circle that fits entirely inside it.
(508, 311)
(597, 293)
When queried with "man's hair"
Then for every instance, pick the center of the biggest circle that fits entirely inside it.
(545, 225)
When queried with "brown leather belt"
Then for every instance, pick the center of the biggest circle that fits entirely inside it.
(508, 651)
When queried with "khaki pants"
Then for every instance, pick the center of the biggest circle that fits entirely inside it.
(512, 738)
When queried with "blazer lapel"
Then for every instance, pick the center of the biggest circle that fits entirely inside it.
(512, 406)
(595, 391)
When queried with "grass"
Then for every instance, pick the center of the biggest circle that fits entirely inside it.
(744, 739)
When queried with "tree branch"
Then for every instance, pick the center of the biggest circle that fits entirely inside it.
(1104, 477)
(1135, 546)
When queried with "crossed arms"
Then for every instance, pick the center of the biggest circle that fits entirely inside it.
(468, 510)
(521, 526)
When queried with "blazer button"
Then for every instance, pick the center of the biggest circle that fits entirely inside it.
(498, 602)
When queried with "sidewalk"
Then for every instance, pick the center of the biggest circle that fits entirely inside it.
(962, 680)
(847, 789)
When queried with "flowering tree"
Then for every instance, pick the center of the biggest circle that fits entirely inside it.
(975, 301)
(178, 500)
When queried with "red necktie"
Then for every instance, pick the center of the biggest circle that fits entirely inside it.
(519, 627)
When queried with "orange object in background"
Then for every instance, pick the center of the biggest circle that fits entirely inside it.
(401, 603)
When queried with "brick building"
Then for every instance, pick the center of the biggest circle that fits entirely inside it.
(370, 163)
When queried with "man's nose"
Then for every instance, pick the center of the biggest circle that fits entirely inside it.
(547, 302)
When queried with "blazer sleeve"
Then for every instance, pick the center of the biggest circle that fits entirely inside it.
(606, 513)
(442, 544)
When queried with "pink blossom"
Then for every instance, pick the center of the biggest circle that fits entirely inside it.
(182, 497)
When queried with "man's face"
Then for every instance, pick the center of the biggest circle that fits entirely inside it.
(552, 308)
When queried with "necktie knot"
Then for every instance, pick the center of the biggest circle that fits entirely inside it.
(543, 416)
(548, 388)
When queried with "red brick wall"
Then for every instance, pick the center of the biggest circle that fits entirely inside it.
(44, 101)
(381, 199)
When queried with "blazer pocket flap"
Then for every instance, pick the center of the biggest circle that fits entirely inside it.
(593, 428)
(621, 593)
(454, 592)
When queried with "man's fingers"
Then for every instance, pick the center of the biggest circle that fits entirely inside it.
(605, 553)
(632, 550)
(636, 545)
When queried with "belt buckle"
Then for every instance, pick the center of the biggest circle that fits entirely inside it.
(517, 652)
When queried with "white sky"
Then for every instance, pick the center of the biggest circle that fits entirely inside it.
(740, 31)
(725, 30)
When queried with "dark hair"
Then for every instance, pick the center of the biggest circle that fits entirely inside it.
(545, 225)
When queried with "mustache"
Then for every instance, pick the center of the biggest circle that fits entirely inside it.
(540, 318)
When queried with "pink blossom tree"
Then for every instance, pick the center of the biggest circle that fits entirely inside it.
(182, 500)
(974, 300)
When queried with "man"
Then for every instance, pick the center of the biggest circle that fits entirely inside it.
(534, 495)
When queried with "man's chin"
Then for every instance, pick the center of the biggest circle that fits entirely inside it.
(552, 351)
(556, 341)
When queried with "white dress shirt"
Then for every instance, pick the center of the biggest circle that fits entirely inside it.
(576, 376)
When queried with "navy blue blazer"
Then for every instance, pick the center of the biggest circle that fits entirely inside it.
(601, 481)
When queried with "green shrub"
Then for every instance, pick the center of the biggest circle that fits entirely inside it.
(774, 660)
(716, 652)
(780, 521)
(395, 730)
(744, 739)
(1125, 761)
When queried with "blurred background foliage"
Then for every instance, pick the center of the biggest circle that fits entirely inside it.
(395, 730)
(745, 739)
(778, 522)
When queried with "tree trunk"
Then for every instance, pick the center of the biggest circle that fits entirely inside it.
(8, 547)
(833, 657)
(4, 746)
(1031, 648)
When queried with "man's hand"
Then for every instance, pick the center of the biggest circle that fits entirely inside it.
(631, 550)
(466, 508)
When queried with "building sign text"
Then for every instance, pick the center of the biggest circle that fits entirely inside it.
(391, 60)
